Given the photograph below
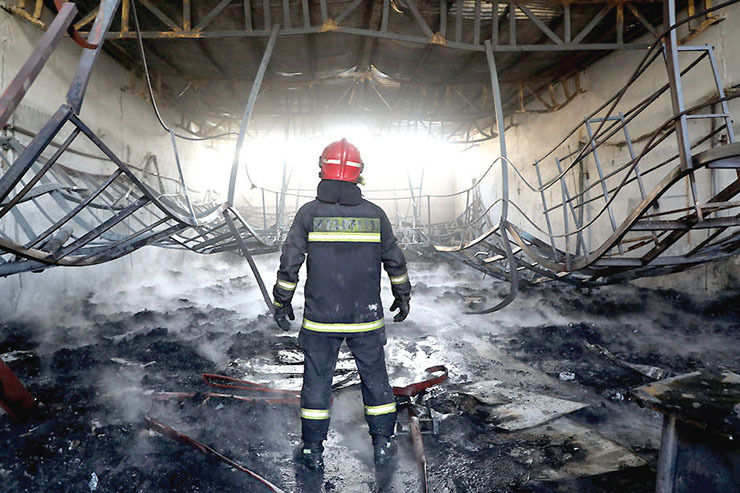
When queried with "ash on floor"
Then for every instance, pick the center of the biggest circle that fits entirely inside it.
(537, 398)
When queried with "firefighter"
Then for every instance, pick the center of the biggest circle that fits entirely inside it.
(346, 238)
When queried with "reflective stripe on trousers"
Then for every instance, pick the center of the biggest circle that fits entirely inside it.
(382, 409)
(314, 413)
(286, 285)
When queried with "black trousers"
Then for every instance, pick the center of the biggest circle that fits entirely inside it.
(321, 353)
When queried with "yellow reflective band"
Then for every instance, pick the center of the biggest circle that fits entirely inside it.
(276, 303)
(286, 285)
(382, 409)
(314, 413)
(400, 279)
(342, 237)
(361, 327)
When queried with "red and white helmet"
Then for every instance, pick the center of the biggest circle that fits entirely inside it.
(341, 161)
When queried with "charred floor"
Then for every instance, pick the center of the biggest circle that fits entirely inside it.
(538, 399)
(551, 187)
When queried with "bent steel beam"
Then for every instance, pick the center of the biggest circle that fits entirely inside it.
(27, 74)
(253, 93)
(89, 55)
(247, 255)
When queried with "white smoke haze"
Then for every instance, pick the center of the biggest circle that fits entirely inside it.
(122, 387)
(214, 314)
(192, 295)
(183, 292)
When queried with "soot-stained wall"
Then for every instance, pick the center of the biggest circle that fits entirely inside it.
(114, 106)
(119, 114)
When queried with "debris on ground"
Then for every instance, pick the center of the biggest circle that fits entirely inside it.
(566, 376)
(507, 421)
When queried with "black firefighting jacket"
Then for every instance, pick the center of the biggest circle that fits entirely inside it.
(346, 238)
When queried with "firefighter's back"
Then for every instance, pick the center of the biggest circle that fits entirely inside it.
(344, 263)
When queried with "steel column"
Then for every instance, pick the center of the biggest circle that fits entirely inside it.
(185, 191)
(665, 480)
(89, 55)
(458, 20)
(602, 180)
(675, 85)
(248, 112)
(42, 51)
(721, 94)
(544, 207)
(443, 18)
(503, 223)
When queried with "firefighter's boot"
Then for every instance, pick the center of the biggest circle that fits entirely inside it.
(384, 450)
(310, 455)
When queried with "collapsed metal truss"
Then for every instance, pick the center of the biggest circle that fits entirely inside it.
(64, 216)
(644, 240)
(92, 217)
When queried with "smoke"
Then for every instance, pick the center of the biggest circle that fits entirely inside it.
(203, 301)
(438, 331)
(120, 389)
(155, 321)
(184, 292)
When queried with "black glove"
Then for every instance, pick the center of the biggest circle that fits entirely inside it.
(402, 303)
(283, 312)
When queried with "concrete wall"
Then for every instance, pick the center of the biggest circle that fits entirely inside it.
(125, 122)
(111, 108)
(533, 135)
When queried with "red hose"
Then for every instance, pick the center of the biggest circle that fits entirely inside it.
(212, 380)
(14, 397)
(415, 388)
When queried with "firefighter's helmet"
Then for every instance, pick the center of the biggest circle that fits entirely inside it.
(341, 161)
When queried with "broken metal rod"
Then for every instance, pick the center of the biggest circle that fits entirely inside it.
(247, 255)
(168, 432)
(414, 425)
(27, 74)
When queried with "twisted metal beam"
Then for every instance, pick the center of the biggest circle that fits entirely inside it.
(89, 218)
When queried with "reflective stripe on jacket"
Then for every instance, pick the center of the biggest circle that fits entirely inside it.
(346, 238)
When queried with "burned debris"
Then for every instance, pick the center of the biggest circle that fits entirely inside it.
(503, 419)
(530, 158)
